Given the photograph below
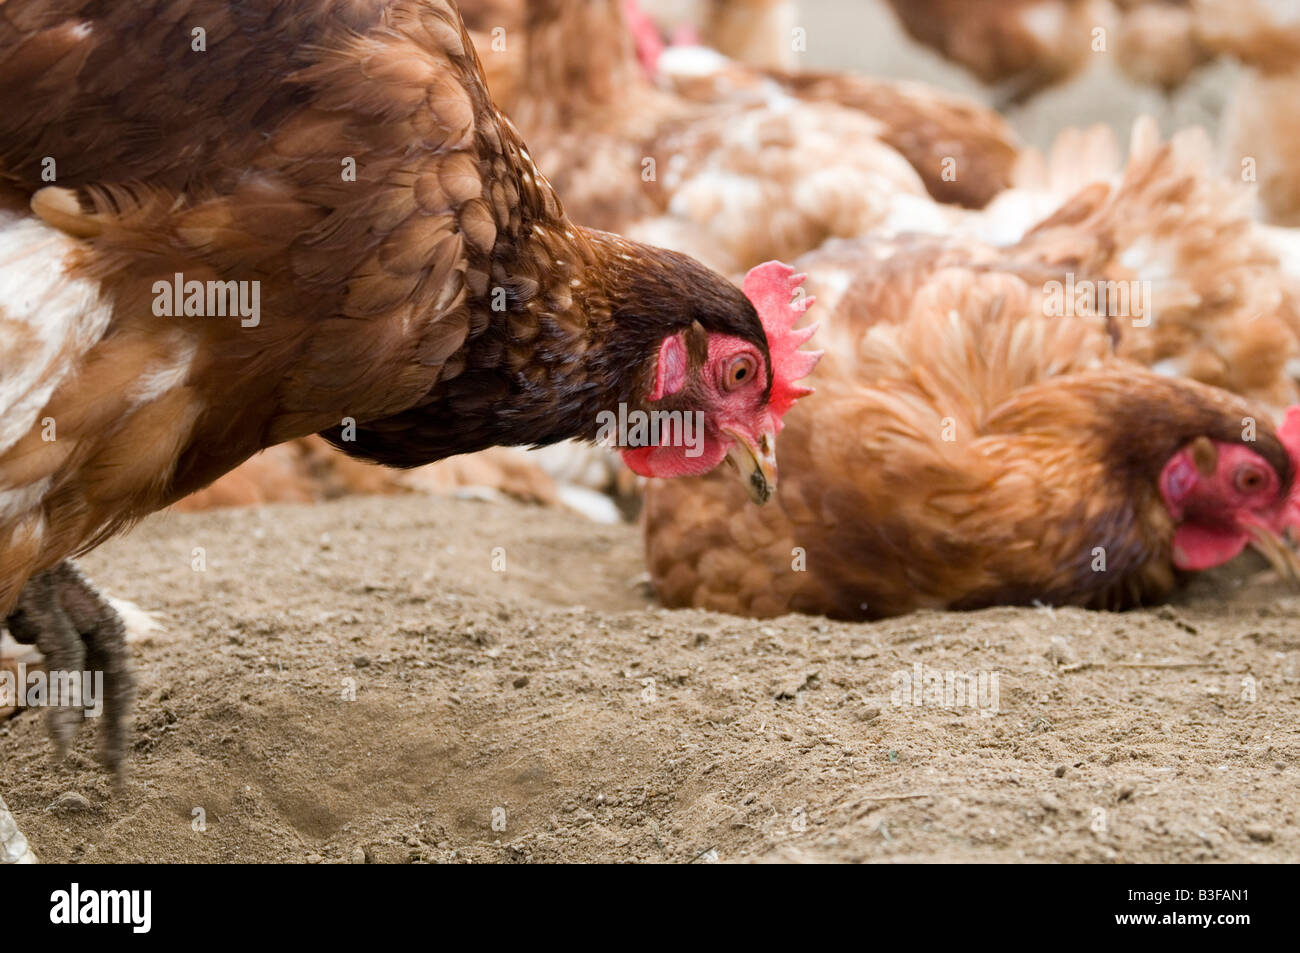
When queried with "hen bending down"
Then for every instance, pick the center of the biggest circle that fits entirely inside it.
(284, 218)
(969, 448)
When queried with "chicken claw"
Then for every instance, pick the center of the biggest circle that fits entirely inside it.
(77, 631)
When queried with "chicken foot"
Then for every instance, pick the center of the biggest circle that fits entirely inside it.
(78, 631)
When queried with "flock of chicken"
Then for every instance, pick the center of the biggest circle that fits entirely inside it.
(929, 471)
(1061, 378)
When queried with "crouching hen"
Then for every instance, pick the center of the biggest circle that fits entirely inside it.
(229, 225)
(970, 447)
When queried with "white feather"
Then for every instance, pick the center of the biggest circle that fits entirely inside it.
(48, 320)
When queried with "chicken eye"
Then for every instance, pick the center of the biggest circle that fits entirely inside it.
(1250, 479)
(740, 371)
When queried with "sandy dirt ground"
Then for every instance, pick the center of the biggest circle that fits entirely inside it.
(519, 698)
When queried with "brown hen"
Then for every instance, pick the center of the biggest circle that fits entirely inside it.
(257, 221)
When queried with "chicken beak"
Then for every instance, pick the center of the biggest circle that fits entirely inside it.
(1275, 549)
(755, 462)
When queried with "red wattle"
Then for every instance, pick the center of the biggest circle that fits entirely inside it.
(1200, 547)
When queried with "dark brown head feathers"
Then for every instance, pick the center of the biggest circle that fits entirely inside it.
(569, 342)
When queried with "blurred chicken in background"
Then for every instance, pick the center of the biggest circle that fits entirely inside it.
(1262, 121)
(963, 151)
(755, 32)
(1158, 42)
(1163, 41)
(737, 183)
(1218, 291)
(729, 162)
(587, 479)
(1022, 47)
(1019, 47)
(1221, 301)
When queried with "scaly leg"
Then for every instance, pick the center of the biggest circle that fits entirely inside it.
(77, 631)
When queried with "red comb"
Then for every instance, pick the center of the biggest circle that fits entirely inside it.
(769, 288)
(649, 46)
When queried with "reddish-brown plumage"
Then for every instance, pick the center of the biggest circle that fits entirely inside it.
(377, 290)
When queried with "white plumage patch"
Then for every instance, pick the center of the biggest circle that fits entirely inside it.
(48, 320)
